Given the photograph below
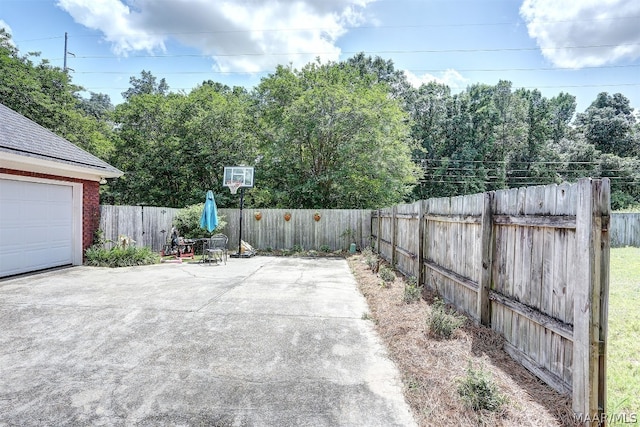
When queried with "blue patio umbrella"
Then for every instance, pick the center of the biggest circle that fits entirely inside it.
(209, 218)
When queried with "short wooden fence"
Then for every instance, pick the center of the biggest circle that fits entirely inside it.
(531, 263)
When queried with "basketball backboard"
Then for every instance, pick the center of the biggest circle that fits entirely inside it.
(238, 174)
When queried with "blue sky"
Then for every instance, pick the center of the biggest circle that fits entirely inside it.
(582, 47)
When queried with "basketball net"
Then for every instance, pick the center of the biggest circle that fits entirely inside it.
(233, 186)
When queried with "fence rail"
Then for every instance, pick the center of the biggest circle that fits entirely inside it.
(531, 263)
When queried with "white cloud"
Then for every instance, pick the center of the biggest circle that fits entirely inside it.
(451, 78)
(610, 24)
(241, 35)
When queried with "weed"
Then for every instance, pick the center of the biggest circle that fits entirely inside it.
(479, 392)
(371, 259)
(412, 291)
(366, 316)
(387, 275)
(297, 249)
(442, 322)
(325, 248)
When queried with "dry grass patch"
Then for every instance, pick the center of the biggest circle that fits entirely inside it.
(433, 369)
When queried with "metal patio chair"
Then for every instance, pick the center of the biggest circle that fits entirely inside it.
(216, 249)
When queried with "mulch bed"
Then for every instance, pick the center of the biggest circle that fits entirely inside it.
(432, 368)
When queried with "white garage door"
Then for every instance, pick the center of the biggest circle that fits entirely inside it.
(36, 226)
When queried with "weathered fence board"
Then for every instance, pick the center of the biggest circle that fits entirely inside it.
(337, 228)
(149, 226)
(624, 229)
(510, 259)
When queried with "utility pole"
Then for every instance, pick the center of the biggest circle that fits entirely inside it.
(66, 52)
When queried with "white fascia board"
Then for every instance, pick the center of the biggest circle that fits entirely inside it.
(37, 165)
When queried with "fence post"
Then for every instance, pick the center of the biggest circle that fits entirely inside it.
(591, 298)
(379, 230)
(484, 281)
(422, 231)
(394, 235)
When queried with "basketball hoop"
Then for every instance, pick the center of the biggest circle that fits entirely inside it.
(233, 186)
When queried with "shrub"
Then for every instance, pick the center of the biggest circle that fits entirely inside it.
(120, 256)
(297, 249)
(325, 248)
(443, 323)
(187, 221)
(371, 259)
(478, 391)
(412, 291)
(387, 275)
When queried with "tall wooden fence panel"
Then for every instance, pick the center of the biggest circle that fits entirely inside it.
(401, 226)
(531, 263)
(452, 247)
(625, 230)
(533, 278)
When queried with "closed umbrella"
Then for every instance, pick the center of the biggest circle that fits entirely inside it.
(209, 218)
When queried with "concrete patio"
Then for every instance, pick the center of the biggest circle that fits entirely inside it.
(263, 341)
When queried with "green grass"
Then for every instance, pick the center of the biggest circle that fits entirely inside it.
(623, 348)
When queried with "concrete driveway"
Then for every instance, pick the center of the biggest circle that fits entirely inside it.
(262, 341)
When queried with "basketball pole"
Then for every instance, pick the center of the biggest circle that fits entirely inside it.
(240, 228)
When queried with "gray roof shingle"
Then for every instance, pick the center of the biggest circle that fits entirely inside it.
(22, 136)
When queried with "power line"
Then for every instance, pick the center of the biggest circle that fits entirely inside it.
(465, 70)
(402, 52)
(349, 28)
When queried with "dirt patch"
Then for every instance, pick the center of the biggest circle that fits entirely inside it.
(432, 368)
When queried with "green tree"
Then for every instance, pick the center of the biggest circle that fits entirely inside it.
(333, 139)
(173, 147)
(609, 124)
(147, 84)
(217, 129)
(46, 95)
(379, 70)
(98, 106)
(428, 111)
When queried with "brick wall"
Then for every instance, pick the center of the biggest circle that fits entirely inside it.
(90, 202)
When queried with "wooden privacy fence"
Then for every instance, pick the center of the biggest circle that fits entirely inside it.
(336, 228)
(148, 225)
(531, 263)
(625, 230)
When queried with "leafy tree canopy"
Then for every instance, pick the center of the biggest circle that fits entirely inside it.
(332, 138)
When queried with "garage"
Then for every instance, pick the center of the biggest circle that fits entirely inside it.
(49, 197)
(37, 226)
